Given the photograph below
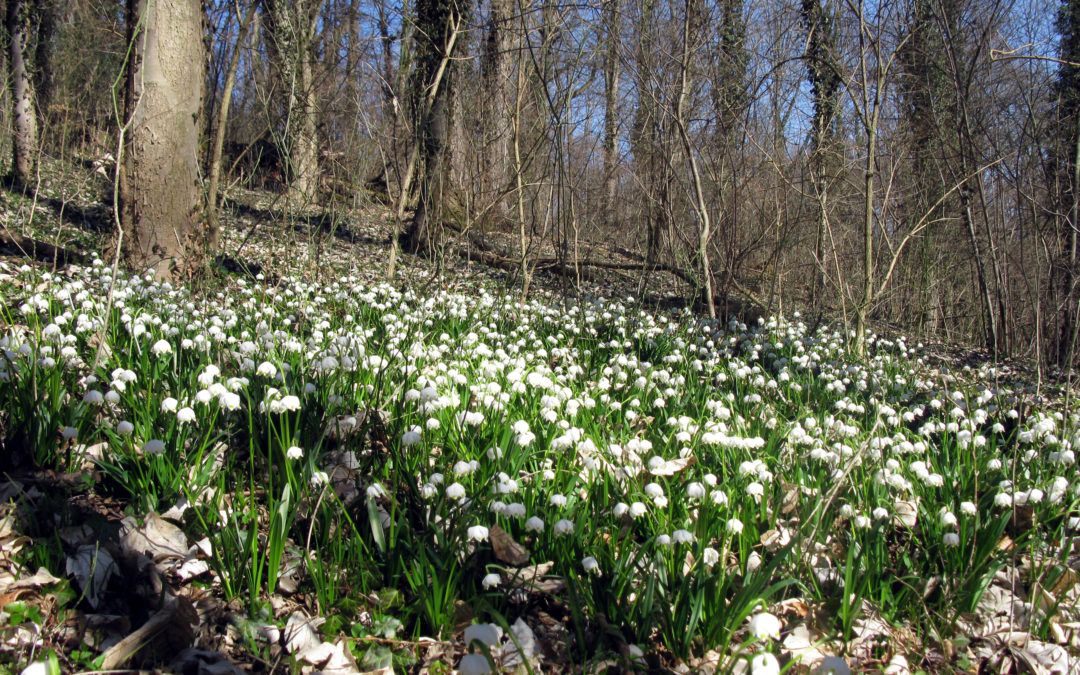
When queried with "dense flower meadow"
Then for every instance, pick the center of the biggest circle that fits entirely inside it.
(667, 487)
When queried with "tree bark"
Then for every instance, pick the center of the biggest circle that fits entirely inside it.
(25, 141)
(220, 127)
(48, 15)
(498, 107)
(292, 27)
(612, 25)
(438, 23)
(160, 196)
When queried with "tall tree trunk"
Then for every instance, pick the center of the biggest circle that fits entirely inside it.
(438, 23)
(612, 33)
(292, 25)
(305, 154)
(48, 15)
(25, 139)
(498, 107)
(160, 196)
(825, 87)
(1068, 177)
(220, 125)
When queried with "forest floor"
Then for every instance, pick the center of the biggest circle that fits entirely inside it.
(1020, 611)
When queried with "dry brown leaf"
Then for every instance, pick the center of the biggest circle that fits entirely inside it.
(41, 578)
(507, 550)
(905, 513)
(1042, 658)
(92, 568)
(795, 606)
(157, 538)
(790, 501)
(531, 579)
(301, 635)
(520, 647)
(800, 645)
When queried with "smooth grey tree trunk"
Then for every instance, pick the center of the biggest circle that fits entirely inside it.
(25, 139)
(160, 195)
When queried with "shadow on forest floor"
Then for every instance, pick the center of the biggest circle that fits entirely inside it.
(96, 218)
(324, 222)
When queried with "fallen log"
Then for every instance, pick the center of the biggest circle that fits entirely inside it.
(18, 245)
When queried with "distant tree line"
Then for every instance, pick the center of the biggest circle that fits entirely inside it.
(910, 163)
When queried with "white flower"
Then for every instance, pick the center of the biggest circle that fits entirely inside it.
(290, 403)
(695, 490)
(734, 526)
(590, 565)
(169, 405)
(185, 415)
(455, 491)
(266, 369)
(710, 556)
(294, 452)
(478, 533)
(474, 664)
(69, 433)
(410, 438)
(471, 418)
(557, 500)
(1003, 500)
(485, 633)
(765, 625)
(208, 375)
(951, 539)
(682, 536)
(534, 524)
(161, 347)
(154, 447)
(94, 397)
(490, 581)
(968, 508)
(230, 401)
(764, 664)
(463, 468)
(124, 428)
(563, 527)
(319, 478)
